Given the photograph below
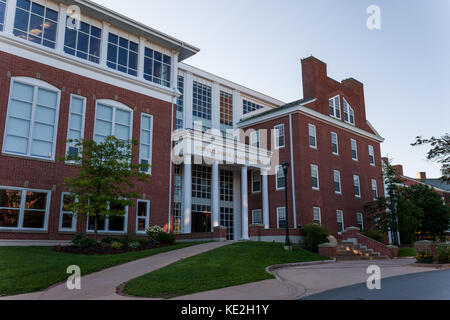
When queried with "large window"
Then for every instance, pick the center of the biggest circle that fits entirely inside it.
(371, 156)
(349, 113)
(24, 209)
(340, 221)
(84, 42)
(226, 109)
(335, 107)
(122, 54)
(142, 215)
(180, 104)
(279, 136)
(67, 218)
(32, 119)
(112, 224)
(157, 67)
(256, 181)
(334, 144)
(312, 136)
(201, 182)
(112, 118)
(177, 218)
(226, 185)
(357, 186)
(36, 23)
(280, 178)
(281, 218)
(354, 147)
(145, 148)
(317, 216)
(257, 216)
(337, 181)
(2, 14)
(75, 130)
(201, 104)
(315, 177)
(249, 106)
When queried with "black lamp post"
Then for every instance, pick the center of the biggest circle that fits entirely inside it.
(285, 166)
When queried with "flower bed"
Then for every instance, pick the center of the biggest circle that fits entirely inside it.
(101, 250)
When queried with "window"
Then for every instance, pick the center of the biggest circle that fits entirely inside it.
(354, 147)
(349, 113)
(142, 216)
(280, 178)
(257, 217)
(256, 181)
(2, 14)
(177, 218)
(249, 106)
(374, 189)
(279, 136)
(75, 130)
(67, 219)
(281, 218)
(340, 221)
(157, 67)
(335, 107)
(122, 54)
(226, 109)
(371, 156)
(201, 104)
(180, 103)
(315, 177)
(255, 139)
(32, 119)
(112, 118)
(317, 216)
(201, 182)
(145, 148)
(84, 42)
(337, 182)
(112, 224)
(360, 221)
(36, 23)
(312, 136)
(334, 143)
(24, 209)
(357, 186)
(226, 185)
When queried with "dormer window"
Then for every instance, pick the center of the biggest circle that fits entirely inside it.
(349, 113)
(335, 107)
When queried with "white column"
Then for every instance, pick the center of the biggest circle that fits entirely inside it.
(9, 16)
(237, 107)
(141, 58)
(174, 70)
(187, 201)
(188, 87)
(215, 112)
(265, 198)
(104, 49)
(215, 195)
(244, 199)
(61, 28)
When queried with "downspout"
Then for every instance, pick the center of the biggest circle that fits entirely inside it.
(294, 209)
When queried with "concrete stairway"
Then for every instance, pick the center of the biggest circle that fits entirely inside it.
(349, 250)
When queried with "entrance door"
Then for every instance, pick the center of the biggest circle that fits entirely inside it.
(201, 218)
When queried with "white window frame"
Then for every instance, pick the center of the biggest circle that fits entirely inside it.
(278, 216)
(375, 188)
(277, 168)
(22, 209)
(335, 108)
(358, 215)
(61, 214)
(339, 180)
(106, 231)
(255, 139)
(277, 136)
(253, 216)
(372, 154)
(315, 169)
(350, 112)
(355, 178)
(340, 213)
(356, 148)
(37, 84)
(253, 174)
(149, 159)
(337, 143)
(147, 217)
(83, 119)
(313, 128)
(317, 210)
(115, 105)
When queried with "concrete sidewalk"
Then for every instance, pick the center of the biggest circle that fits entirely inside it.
(102, 285)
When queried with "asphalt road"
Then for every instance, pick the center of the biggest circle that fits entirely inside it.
(419, 286)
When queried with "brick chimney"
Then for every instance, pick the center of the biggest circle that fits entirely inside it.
(421, 175)
(398, 170)
(314, 74)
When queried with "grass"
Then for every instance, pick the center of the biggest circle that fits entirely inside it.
(31, 269)
(406, 252)
(226, 266)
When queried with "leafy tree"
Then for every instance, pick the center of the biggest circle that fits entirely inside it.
(440, 152)
(104, 185)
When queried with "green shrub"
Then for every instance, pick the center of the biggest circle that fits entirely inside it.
(143, 242)
(82, 241)
(374, 234)
(443, 254)
(117, 245)
(315, 235)
(165, 238)
(424, 257)
(134, 244)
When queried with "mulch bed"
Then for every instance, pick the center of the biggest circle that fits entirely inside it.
(99, 250)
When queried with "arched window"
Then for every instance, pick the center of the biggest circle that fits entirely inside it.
(112, 118)
(32, 119)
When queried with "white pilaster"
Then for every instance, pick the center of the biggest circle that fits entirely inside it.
(215, 195)
(237, 107)
(188, 87)
(244, 199)
(215, 113)
(9, 16)
(174, 70)
(265, 199)
(141, 58)
(61, 28)
(187, 201)
(104, 49)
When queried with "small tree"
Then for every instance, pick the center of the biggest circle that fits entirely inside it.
(440, 152)
(104, 185)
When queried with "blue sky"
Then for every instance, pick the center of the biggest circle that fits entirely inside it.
(405, 66)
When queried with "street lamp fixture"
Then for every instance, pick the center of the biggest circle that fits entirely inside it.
(285, 166)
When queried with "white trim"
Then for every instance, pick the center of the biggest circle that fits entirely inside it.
(334, 107)
(320, 215)
(150, 156)
(83, 119)
(114, 105)
(61, 213)
(350, 112)
(375, 184)
(278, 216)
(106, 230)
(359, 185)
(372, 154)
(316, 168)
(337, 143)
(276, 138)
(356, 149)
(314, 128)
(253, 216)
(252, 181)
(294, 201)
(276, 178)
(334, 181)
(341, 214)
(360, 214)
(147, 217)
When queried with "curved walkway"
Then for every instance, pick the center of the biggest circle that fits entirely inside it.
(102, 285)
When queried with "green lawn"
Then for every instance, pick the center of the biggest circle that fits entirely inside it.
(406, 252)
(30, 269)
(226, 266)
